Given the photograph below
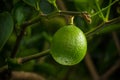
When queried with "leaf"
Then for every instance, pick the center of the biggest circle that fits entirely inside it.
(6, 27)
(52, 1)
(33, 3)
(22, 13)
(46, 7)
(19, 15)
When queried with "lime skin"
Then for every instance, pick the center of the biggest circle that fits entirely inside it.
(69, 45)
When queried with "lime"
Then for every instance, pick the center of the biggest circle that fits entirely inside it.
(69, 45)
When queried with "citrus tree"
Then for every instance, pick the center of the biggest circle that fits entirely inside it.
(59, 39)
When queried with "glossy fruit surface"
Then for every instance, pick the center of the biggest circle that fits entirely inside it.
(69, 45)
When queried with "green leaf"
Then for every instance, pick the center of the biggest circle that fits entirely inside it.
(6, 27)
(33, 3)
(53, 2)
(22, 13)
(46, 7)
(19, 15)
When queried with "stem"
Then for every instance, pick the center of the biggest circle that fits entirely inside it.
(116, 41)
(101, 26)
(2, 69)
(98, 6)
(35, 56)
(28, 58)
(66, 13)
(108, 11)
(70, 20)
(55, 6)
(91, 67)
(21, 75)
(35, 20)
(20, 36)
(17, 43)
(89, 33)
(111, 70)
(71, 13)
(103, 9)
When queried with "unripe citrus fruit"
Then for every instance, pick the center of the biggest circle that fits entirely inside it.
(69, 45)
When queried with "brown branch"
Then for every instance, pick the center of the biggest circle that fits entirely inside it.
(91, 67)
(68, 73)
(116, 40)
(111, 70)
(26, 59)
(20, 36)
(62, 6)
(21, 75)
(17, 43)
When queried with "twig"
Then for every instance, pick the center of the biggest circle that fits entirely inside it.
(37, 19)
(111, 70)
(21, 75)
(17, 43)
(105, 8)
(116, 40)
(25, 59)
(3, 68)
(5, 73)
(20, 36)
(35, 56)
(69, 72)
(62, 6)
(101, 26)
(91, 67)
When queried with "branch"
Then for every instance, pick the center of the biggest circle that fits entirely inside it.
(17, 43)
(2, 69)
(21, 75)
(101, 26)
(91, 67)
(33, 21)
(105, 8)
(23, 28)
(25, 59)
(116, 40)
(37, 19)
(111, 70)
(35, 56)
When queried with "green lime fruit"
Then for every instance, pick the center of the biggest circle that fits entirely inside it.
(69, 45)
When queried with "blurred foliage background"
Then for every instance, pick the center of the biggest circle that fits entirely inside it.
(102, 61)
